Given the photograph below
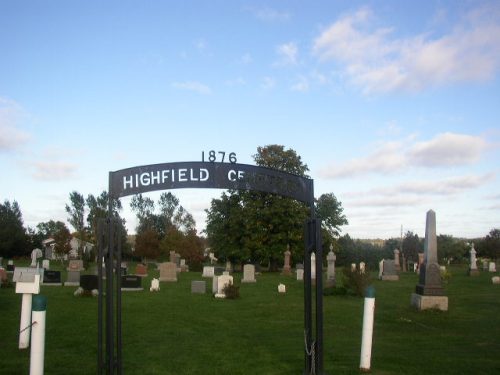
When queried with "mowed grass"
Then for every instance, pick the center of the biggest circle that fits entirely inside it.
(176, 332)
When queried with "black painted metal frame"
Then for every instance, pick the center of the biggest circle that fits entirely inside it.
(215, 175)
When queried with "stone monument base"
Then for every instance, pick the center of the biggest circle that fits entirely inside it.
(429, 302)
(389, 278)
(473, 272)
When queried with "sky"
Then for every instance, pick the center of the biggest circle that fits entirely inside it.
(393, 105)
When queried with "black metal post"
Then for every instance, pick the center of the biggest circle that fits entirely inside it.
(110, 350)
(307, 298)
(319, 298)
(100, 254)
(118, 299)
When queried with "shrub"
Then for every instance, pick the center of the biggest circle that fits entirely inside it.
(356, 281)
(335, 291)
(231, 291)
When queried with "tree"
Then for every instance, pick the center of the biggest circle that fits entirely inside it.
(49, 228)
(147, 244)
(257, 226)
(76, 212)
(450, 249)
(492, 244)
(411, 246)
(62, 239)
(13, 238)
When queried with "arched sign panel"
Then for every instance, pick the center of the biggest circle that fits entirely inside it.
(165, 176)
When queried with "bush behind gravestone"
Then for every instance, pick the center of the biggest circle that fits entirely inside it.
(231, 291)
(356, 281)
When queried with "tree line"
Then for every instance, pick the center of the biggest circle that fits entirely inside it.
(242, 226)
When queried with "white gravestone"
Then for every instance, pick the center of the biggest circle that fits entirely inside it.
(492, 267)
(46, 264)
(208, 271)
(35, 255)
(221, 283)
(362, 267)
(300, 274)
(281, 288)
(248, 274)
(155, 285)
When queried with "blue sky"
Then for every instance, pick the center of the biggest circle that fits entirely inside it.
(394, 106)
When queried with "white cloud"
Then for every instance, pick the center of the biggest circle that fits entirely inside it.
(288, 53)
(271, 15)
(444, 150)
(194, 86)
(377, 61)
(268, 83)
(448, 149)
(11, 137)
(302, 84)
(236, 82)
(53, 171)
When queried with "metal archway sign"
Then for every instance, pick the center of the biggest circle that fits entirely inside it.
(207, 175)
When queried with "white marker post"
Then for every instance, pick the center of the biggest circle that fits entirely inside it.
(38, 335)
(27, 284)
(366, 342)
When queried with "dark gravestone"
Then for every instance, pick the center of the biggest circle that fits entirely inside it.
(52, 277)
(131, 282)
(89, 282)
(10, 267)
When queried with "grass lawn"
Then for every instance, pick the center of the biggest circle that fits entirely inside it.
(176, 332)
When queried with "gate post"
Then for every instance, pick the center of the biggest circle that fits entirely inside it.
(314, 348)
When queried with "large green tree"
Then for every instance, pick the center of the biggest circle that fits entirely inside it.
(257, 226)
(491, 244)
(412, 246)
(13, 238)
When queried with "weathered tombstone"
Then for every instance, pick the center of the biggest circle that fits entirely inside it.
(184, 266)
(46, 264)
(35, 255)
(281, 288)
(89, 282)
(313, 267)
(155, 285)
(300, 272)
(208, 271)
(380, 269)
(473, 271)
(248, 274)
(492, 267)
(287, 269)
(429, 293)
(198, 287)
(215, 284)
(221, 283)
(330, 271)
(141, 270)
(485, 265)
(75, 265)
(397, 266)
(362, 267)
(420, 261)
(389, 272)
(73, 278)
(131, 283)
(495, 279)
(353, 267)
(168, 271)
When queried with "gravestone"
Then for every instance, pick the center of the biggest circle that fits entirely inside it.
(208, 271)
(184, 266)
(89, 282)
(168, 272)
(485, 265)
(495, 280)
(35, 255)
(141, 270)
(397, 265)
(198, 287)
(3, 276)
(46, 264)
(215, 284)
(131, 283)
(281, 288)
(172, 257)
(73, 278)
(155, 285)
(313, 267)
(222, 281)
(429, 292)
(229, 266)
(389, 272)
(330, 270)
(353, 267)
(473, 271)
(10, 266)
(492, 267)
(287, 269)
(362, 267)
(75, 265)
(248, 274)
(300, 274)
